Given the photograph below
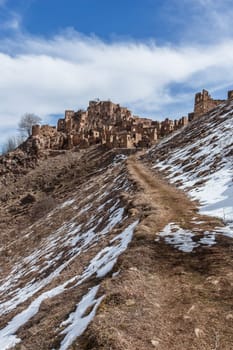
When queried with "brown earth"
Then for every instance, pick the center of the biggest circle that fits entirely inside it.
(164, 298)
(88, 173)
(33, 193)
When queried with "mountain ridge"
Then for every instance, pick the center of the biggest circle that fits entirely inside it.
(101, 248)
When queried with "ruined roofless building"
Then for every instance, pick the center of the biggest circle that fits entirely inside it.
(203, 103)
(107, 123)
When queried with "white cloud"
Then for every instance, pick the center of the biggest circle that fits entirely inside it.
(48, 76)
(11, 23)
(198, 20)
(217, 16)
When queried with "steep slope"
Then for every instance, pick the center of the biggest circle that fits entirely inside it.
(172, 292)
(176, 283)
(99, 251)
(51, 271)
(199, 159)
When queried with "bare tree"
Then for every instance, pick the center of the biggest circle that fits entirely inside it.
(11, 144)
(27, 121)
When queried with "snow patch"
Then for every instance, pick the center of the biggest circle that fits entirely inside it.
(202, 164)
(100, 265)
(7, 335)
(67, 203)
(77, 322)
(181, 239)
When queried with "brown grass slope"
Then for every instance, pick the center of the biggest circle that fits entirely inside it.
(163, 298)
(198, 150)
(34, 216)
(32, 192)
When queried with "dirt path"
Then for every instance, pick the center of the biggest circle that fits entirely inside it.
(164, 298)
(165, 202)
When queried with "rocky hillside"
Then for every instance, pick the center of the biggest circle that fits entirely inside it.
(100, 251)
(199, 159)
(57, 248)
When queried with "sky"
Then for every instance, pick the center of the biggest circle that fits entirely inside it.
(151, 56)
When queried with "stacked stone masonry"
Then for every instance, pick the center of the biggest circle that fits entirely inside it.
(110, 124)
(204, 103)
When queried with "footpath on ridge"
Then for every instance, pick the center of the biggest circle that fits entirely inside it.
(161, 297)
(166, 203)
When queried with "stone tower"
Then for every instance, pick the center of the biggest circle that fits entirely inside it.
(204, 103)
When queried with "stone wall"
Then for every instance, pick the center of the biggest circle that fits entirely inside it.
(107, 123)
(204, 103)
(45, 137)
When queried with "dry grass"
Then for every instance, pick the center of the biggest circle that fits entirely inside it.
(162, 298)
(43, 330)
(165, 299)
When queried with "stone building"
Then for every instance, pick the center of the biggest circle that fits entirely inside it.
(105, 122)
(109, 124)
(203, 103)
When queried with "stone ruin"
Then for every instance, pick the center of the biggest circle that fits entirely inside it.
(109, 124)
(102, 123)
(204, 103)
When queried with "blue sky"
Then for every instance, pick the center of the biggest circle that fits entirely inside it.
(108, 20)
(150, 55)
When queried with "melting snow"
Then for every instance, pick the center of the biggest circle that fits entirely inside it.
(106, 258)
(77, 322)
(119, 158)
(203, 166)
(181, 239)
(208, 239)
(216, 195)
(30, 279)
(7, 334)
(67, 203)
(100, 265)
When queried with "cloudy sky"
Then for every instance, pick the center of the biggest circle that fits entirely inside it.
(148, 55)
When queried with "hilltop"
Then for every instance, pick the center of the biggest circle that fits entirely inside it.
(107, 246)
(199, 160)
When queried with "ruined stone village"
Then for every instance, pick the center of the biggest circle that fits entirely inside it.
(114, 126)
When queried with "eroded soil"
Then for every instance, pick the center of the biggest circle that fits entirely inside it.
(164, 298)
(160, 297)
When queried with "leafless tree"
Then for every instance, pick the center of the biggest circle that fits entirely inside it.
(11, 144)
(27, 121)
